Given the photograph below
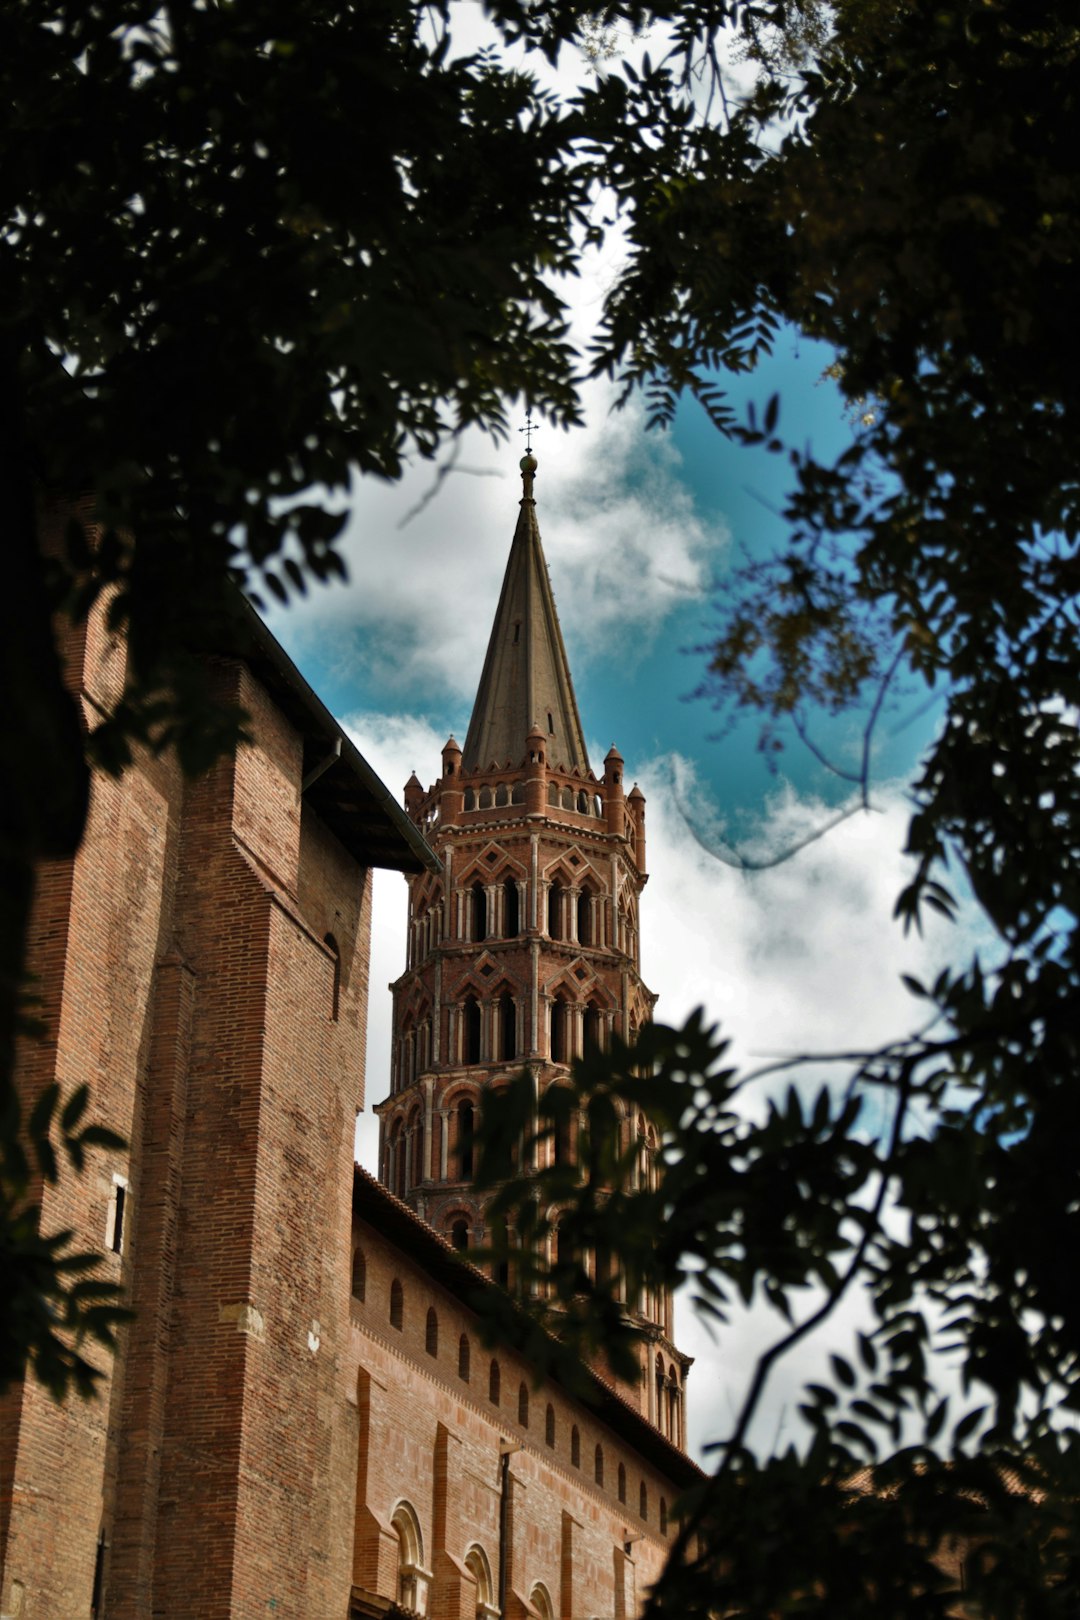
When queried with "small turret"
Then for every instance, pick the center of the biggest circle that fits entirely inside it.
(451, 793)
(535, 771)
(414, 795)
(635, 803)
(613, 790)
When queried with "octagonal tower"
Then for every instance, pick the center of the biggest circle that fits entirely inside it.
(525, 948)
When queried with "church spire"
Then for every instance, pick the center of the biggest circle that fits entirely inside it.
(526, 679)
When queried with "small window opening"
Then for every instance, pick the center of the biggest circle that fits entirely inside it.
(472, 1030)
(549, 1426)
(511, 927)
(359, 1275)
(643, 1503)
(459, 1234)
(463, 1357)
(115, 1218)
(622, 1482)
(99, 1576)
(598, 1465)
(335, 994)
(523, 1405)
(551, 723)
(575, 1446)
(397, 1305)
(517, 631)
(494, 1381)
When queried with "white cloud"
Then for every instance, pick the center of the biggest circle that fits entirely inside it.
(621, 533)
(803, 956)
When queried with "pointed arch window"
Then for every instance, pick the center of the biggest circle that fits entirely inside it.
(431, 1332)
(575, 1446)
(466, 1118)
(463, 1358)
(397, 1305)
(591, 1028)
(416, 1133)
(471, 1031)
(511, 909)
(523, 1405)
(507, 1014)
(663, 1515)
(410, 1556)
(560, 1031)
(479, 912)
(622, 1482)
(459, 1234)
(494, 1383)
(549, 1426)
(555, 910)
(598, 1465)
(584, 917)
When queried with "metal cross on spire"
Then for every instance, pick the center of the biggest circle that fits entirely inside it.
(529, 429)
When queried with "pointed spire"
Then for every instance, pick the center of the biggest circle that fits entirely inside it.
(526, 678)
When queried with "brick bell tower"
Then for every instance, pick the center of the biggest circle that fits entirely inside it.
(524, 949)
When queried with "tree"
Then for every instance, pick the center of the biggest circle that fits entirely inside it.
(245, 252)
(912, 198)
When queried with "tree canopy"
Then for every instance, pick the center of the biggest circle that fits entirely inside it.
(912, 198)
(246, 250)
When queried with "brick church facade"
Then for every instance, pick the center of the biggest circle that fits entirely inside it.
(301, 1419)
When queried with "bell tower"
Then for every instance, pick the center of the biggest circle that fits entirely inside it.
(524, 949)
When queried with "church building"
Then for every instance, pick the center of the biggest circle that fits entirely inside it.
(303, 1418)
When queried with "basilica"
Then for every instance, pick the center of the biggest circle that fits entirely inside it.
(304, 1417)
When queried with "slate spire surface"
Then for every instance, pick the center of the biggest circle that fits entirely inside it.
(526, 677)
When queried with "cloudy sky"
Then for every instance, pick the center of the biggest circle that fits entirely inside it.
(641, 531)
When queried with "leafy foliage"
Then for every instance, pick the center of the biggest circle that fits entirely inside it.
(912, 199)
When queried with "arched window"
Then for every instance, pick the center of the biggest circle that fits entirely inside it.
(517, 795)
(502, 794)
(359, 1274)
(416, 1133)
(568, 798)
(562, 1146)
(397, 1305)
(431, 1332)
(575, 1446)
(591, 1027)
(555, 894)
(478, 1567)
(470, 800)
(622, 1482)
(584, 917)
(485, 798)
(523, 1405)
(643, 1501)
(582, 802)
(471, 1016)
(459, 1234)
(660, 1394)
(507, 1027)
(410, 1555)
(396, 1156)
(511, 919)
(663, 1515)
(598, 1465)
(541, 1602)
(549, 1426)
(553, 793)
(494, 1382)
(463, 1357)
(479, 912)
(560, 1031)
(465, 1125)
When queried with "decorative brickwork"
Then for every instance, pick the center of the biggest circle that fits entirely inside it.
(525, 948)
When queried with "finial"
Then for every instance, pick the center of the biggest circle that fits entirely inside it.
(529, 429)
(528, 460)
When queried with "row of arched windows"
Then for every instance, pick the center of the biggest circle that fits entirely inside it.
(464, 1372)
(506, 793)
